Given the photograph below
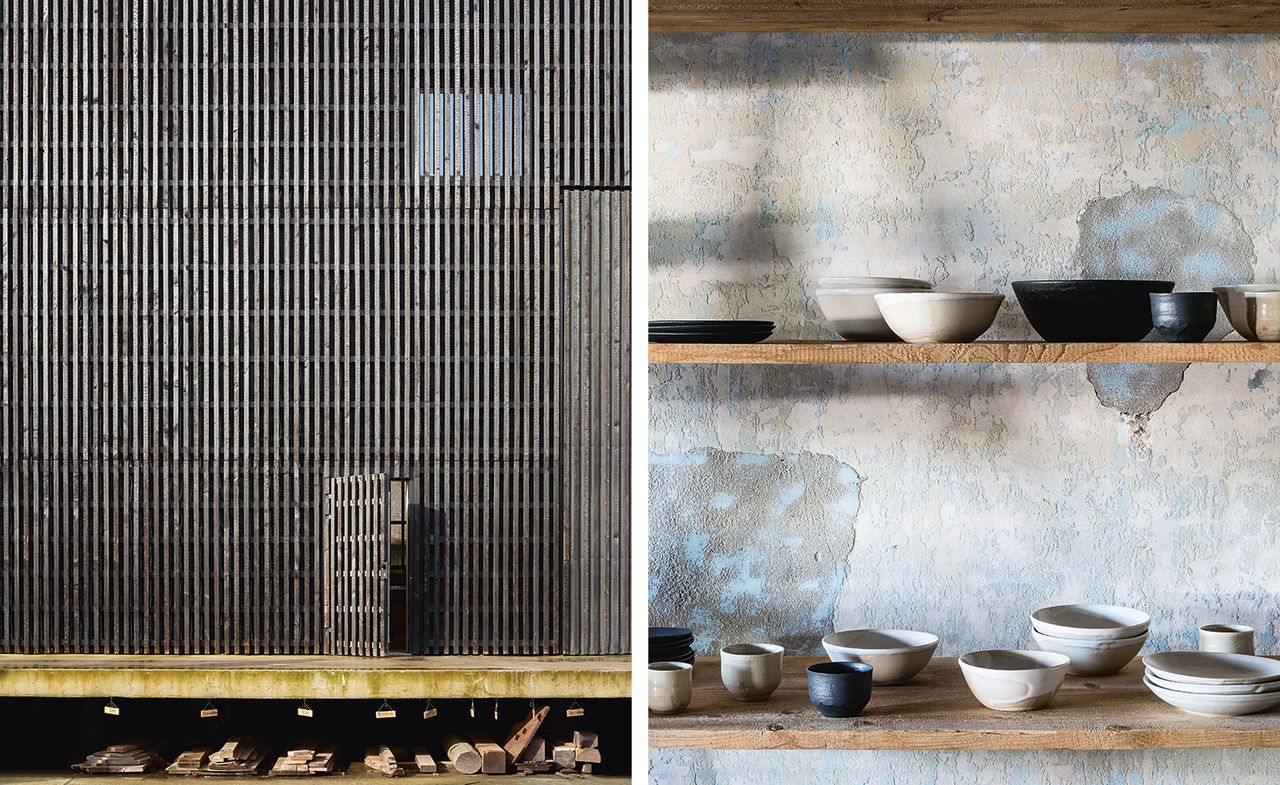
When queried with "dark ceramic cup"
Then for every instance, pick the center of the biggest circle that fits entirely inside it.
(840, 689)
(1184, 317)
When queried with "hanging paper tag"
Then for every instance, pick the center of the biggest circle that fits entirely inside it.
(112, 710)
(206, 713)
(305, 712)
(385, 713)
(578, 712)
(429, 713)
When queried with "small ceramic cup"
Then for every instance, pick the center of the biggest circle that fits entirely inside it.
(670, 687)
(1184, 317)
(839, 689)
(751, 671)
(1235, 638)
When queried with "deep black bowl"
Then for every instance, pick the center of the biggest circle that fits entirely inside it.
(1086, 311)
(1184, 317)
(840, 689)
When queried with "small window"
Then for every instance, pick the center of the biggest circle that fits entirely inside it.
(470, 134)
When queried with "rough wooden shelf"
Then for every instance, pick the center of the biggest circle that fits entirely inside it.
(848, 353)
(355, 774)
(188, 676)
(966, 16)
(936, 711)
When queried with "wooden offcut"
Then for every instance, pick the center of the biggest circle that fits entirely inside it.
(936, 711)
(1162, 17)
(522, 732)
(493, 758)
(564, 756)
(462, 755)
(979, 352)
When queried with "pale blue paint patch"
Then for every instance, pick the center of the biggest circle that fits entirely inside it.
(787, 496)
(747, 459)
(722, 501)
(826, 224)
(685, 459)
(695, 546)
(824, 613)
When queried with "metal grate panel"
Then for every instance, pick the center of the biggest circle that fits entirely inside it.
(223, 280)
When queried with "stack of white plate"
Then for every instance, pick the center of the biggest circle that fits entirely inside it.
(849, 304)
(1214, 683)
(1098, 639)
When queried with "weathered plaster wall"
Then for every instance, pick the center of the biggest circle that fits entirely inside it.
(790, 501)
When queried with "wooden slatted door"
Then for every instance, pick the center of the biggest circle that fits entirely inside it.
(355, 565)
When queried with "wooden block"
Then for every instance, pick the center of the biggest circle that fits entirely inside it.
(522, 733)
(536, 749)
(464, 757)
(587, 754)
(493, 758)
(423, 760)
(564, 756)
(586, 739)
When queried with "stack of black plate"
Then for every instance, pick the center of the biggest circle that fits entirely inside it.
(670, 644)
(708, 331)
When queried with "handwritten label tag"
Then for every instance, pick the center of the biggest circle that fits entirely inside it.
(385, 714)
(429, 713)
(114, 711)
(206, 713)
(575, 712)
(305, 712)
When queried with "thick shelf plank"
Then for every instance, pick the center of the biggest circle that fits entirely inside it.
(847, 353)
(186, 676)
(1161, 17)
(936, 711)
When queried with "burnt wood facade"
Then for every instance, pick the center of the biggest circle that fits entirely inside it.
(249, 252)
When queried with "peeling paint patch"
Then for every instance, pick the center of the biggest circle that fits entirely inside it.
(1260, 378)
(718, 562)
(1155, 233)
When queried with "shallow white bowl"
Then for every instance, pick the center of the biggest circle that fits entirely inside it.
(870, 282)
(1212, 667)
(1235, 303)
(1215, 705)
(939, 317)
(1007, 680)
(1090, 622)
(895, 656)
(1212, 689)
(852, 312)
(1093, 658)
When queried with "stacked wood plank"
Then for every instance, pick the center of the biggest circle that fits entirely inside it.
(117, 759)
(237, 756)
(385, 760)
(308, 759)
(191, 761)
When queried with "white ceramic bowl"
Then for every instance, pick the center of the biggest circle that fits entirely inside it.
(1090, 622)
(1212, 689)
(852, 311)
(1215, 705)
(1093, 658)
(895, 656)
(1007, 680)
(939, 317)
(870, 282)
(1235, 303)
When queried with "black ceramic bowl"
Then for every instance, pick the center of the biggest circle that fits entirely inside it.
(1184, 317)
(840, 689)
(1075, 311)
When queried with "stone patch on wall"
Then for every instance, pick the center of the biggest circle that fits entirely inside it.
(751, 547)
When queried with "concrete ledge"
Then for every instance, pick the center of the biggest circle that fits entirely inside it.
(296, 677)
